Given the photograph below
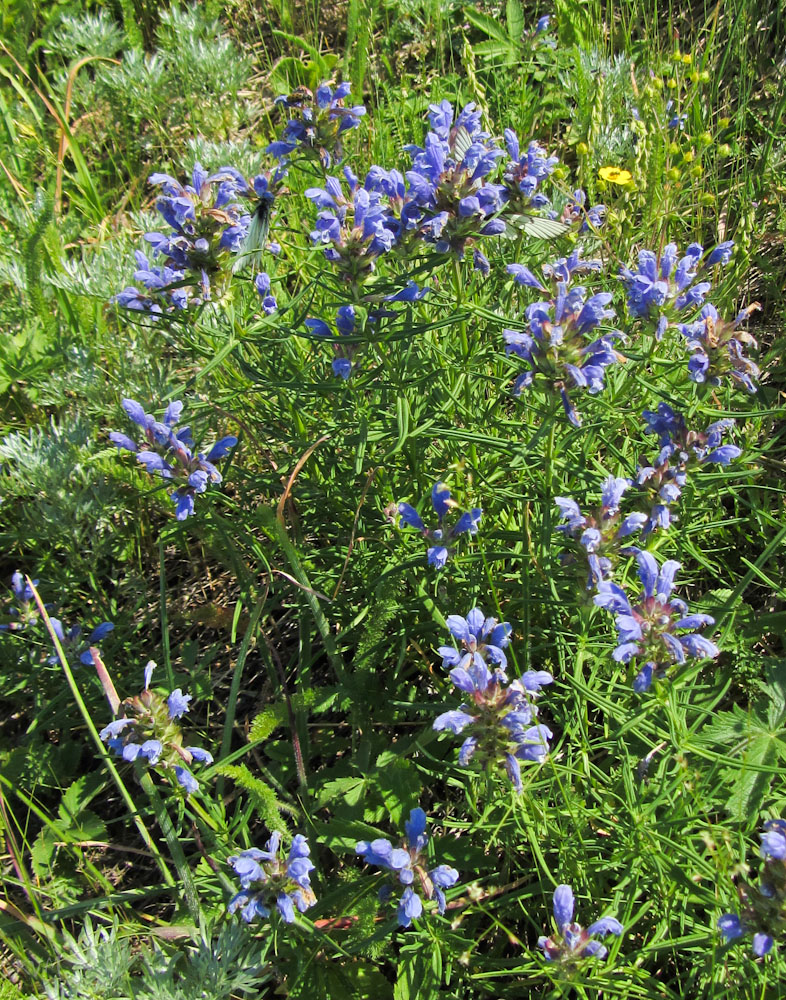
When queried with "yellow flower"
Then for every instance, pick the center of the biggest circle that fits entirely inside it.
(615, 175)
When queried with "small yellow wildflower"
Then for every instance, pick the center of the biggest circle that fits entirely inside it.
(615, 175)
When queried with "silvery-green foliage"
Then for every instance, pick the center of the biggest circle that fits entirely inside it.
(600, 89)
(239, 152)
(95, 966)
(212, 969)
(60, 465)
(86, 35)
(95, 270)
(201, 57)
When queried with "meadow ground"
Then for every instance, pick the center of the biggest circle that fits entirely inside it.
(392, 500)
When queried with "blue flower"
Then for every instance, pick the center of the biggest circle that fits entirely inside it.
(316, 123)
(346, 321)
(441, 536)
(177, 704)
(763, 907)
(496, 719)
(266, 879)
(169, 455)
(23, 612)
(410, 868)
(647, 630)
(262, 285)
(717, 349)
(555, 345)
(572, 942)
(680, 451)
(72, 640)
(665, 287)
(208, 227)
(148, 731)
(597, 537)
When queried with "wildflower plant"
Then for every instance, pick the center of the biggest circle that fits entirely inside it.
(717, 348)
(763, 907)
(76, 643)
(648, 629)
(267, 880)
(441, 536)
(410, 868)
(316, 123)
(496, 719)
(346, 319)
(598, 536)
(22, 610)
(149, 731)
(352, 229)
(560, 343)
(571, 943)
(169, 454)
(193, 262)
(666, 288)
(681, 451)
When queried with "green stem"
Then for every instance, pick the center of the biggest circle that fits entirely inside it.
(108, 763)
(234, 689)
(175, 847)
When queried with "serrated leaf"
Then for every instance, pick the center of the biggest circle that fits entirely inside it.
(262, 795)
(515, 18)
(752, 785)
(347, 789)
(264, 724)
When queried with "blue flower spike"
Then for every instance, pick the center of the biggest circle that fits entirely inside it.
(497, 718)
(441, 536)
(149, 731)
(647, 630)
(267, 880)
(571, 943)
(168, 454)
(409, 866)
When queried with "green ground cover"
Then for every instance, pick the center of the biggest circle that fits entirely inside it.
(323, 328)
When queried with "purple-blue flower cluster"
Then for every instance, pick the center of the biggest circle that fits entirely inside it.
(169, 455)
(354, 229)
(664, 287)
(680, 451)
(74, 643)
(647, 630)
(23, 611)
(762, 907)
(572, 942)
(441, 536)
(208, 227)
(24, 615)
(496, 719)
(598, 536)
(316, 123)
(558, 343)
(411, 869)
(717, 348)
(149, 731)
(266, 879)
